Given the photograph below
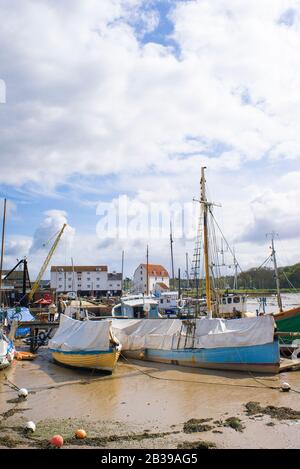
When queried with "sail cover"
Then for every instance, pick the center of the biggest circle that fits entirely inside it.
(167, 334)
(75, 336)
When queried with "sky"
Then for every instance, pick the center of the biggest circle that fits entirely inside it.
(109, 99)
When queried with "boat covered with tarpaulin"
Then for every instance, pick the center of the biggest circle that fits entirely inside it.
(85, 344)
(235, 344)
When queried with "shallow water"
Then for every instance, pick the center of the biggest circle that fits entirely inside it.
(289, 300)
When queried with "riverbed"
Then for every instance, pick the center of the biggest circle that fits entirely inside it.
(145, 405)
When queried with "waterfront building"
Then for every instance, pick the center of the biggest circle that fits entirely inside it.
(86, 280)
(157, 274)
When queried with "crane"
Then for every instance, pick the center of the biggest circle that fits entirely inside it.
(36, 284)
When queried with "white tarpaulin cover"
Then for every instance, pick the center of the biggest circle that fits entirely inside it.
(167, 334)
(73, 335)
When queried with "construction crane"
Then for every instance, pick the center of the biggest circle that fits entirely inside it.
(36, 284)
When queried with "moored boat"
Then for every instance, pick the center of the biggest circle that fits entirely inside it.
(85, 344)
(7, 351)
(236, 344)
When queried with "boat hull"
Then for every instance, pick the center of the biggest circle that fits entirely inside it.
(260, 358)
(99, 360)
(6, 358)
(288, 321)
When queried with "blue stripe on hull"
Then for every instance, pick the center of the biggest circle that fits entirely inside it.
(260, 358)
(83, 352)
(266, 353)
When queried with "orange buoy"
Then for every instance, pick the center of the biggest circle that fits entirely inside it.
(57, 441)
(80, 434)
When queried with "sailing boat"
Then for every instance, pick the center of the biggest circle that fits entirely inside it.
(7, 350)
(237, 344)
(286, 320)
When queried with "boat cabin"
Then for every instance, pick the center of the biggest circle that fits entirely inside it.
(168, 301)
(232, 305)
(137, 307)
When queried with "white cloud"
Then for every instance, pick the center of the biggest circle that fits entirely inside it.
(86, 97)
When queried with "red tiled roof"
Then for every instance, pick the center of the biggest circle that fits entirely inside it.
(156, 270)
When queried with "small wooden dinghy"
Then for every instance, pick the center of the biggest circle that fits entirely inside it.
(85, 344)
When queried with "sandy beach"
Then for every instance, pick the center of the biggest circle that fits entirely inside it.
(147, 405)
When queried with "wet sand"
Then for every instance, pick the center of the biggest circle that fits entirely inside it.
(143, 405)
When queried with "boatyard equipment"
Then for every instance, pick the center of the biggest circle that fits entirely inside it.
(45, 264)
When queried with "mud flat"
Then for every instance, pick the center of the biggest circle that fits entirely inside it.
(148, 405)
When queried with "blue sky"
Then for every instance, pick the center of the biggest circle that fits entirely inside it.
(132, 97)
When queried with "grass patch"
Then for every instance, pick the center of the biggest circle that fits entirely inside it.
(279, 413)
(197, 445)
(197, 425)
(235, 423)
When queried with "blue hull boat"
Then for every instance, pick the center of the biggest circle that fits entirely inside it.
(259, 358)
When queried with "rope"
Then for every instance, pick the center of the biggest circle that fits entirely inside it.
(200, 382)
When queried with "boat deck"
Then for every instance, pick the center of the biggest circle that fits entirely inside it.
(288, 364)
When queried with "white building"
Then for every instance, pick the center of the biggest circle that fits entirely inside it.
(86, 280)
(156, 274)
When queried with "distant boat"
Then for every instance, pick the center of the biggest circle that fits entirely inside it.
(287, 320)
(7, 351)
(137, 307)
(85, 344)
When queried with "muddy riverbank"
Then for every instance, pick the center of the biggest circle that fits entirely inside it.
(147, 405)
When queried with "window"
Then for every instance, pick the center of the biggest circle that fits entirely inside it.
(79, 285)
(60, 279)
(229, 301)
(97, 286)
(59, 286)
(161, 301)
(236, 299)
(88, 286)
(88, 279)
(224, 301)
(98, 279)
(141, 278)
(69, 286)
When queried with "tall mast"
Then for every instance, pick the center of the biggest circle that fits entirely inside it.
(205, 239)
(187, 270)
(122, 281)
(273, 255)
(235, 282)
(172, 257)
(147, 270)
(2, 249)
